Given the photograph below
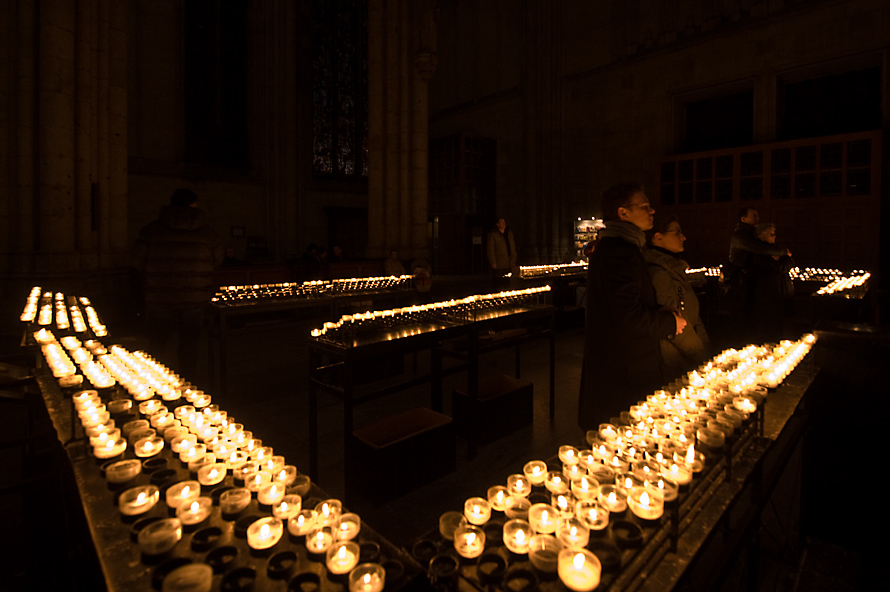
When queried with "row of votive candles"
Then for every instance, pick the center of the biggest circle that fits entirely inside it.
(224, 448)
(638, 467)
(530, 271)
(307, 288)
(416, 312)
(42, 308)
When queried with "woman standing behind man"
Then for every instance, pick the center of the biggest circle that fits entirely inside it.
(664, 244)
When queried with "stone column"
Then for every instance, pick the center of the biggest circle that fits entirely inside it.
(401, 60)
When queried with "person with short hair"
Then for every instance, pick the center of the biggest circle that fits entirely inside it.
(771, 290)
(664, 245)
(622, 357)
(501, 248)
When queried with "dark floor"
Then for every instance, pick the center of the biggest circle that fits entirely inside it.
(266, 383)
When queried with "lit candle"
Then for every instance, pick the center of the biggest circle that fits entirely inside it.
(535, 471)
(611, 497)
(149, 446)
(579, 569)
(347, 526)
(497, 497)
(517, 535)
(469, 541)
(568, 455)
(542, 518)
(302, 523)
(270, 493)
(328, 511)
(194, 511)
(592, 514)
(572, 533)
(518, 485)
(342, 557)
(110, 449)
(290, 505)
(645, 503)
(367, 577)
(556, 482)
(264, 533)
(212, 474)
(138, 500)
(477, 510)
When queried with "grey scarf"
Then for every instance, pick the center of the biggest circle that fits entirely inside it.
(623, 230)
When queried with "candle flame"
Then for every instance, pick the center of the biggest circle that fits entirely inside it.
(591, 513)
(194, 507)
(644, 499)
(283, 507)
(476, 509)
(140, 499)
(690, 454)
(573, 531)
(185, 492)
(628, 482)
(367, 579)
(544, 516)
(264, 531)
(536, 470)
(613, 498)
(578, 561)
(471, 538)
(320, 537)
(520, 536)
(341, 554)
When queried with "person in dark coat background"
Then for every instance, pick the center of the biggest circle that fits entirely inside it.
(622, 359)
(176, 255)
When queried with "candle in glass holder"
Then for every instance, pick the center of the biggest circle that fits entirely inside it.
(342, 557)
(535, 471)
(517, 536)
(102, 438)
(592, 514)
(149, 446)
(264, 533)
(234, 501)
(367, 577)
(328, 511)
(347, 526)
(257, 480)
(110, 449)
(195, 464)
(194, 511)
(319, 539)
(579, 569)
(542, 518)
(290, 505)
(611, 497)
(138, 500)
(212, 474)
(469, 541)
(160, 536)
(286, 475)
(518, 486)
(497, 497)
(645, 503)
(568, 455)
(270, 493)
(189, 453)
(303, 522)
(182, 493)
(543, 551)
(556, 482)
(517, 507)
(572, 533)
(477, 510)
(584, 487)
(668, 489)
(123, 471)
(678, 472)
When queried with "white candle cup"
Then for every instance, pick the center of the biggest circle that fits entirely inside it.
(564, 503)
(477, 510)
(303, 522)
(139, 434)
(517, 507)
(287, 474)
(234, 501)
(102, 438)
(149, 446)
(261, 453)
(535, 471)
(342, 557)
(518, 486)
(367, 577)
(182, 493)
(123, 471)
(290, 505)
(497, 497)
(202, 461)
(264, 533)
(611, 497)
(556, 482)
(678, 472)
(150, 407)
(235, 459)
(542, 518)
(568, 455)
(668, 489)
(212, 474)
(195, 511)
(469, 541)
(579, 569)
(301, 485)
(180, 440)
(138, 500)
(592, 514)
(328, 511)
(347, 526)
(543, 551)
(160, 536)
(243, 471)
(448, 523)
(319, 540)
(187, 454)
(517, 536)
(136, 424)
(645, 503)
(572, 533)
(102, 428)
(270, 493)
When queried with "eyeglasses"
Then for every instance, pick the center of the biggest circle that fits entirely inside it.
(643, 206)
(678, 232)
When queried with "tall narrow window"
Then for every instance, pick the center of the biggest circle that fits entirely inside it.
(215, 82)
(340, 88)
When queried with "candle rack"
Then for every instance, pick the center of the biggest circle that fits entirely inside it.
(288, 291)
(563, 269)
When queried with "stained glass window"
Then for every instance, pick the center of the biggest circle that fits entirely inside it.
(340, 88)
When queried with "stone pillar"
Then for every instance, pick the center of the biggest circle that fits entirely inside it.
(401, 60)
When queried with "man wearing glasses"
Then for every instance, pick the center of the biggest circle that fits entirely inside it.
(622, 359)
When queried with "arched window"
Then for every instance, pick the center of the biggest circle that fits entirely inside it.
(340, 88)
